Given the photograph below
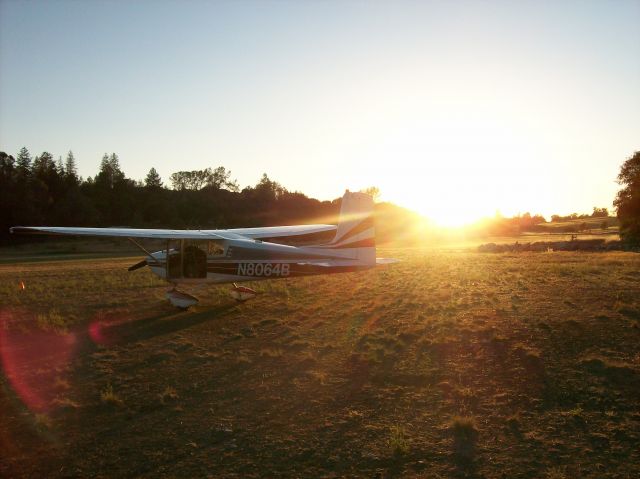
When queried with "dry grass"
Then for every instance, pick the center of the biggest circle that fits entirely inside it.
(398, 442)
(168, 395)
(556, 473)
(449, 364)
(108, 396)
(42, 421)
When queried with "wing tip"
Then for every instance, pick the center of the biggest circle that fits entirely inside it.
(31, 230)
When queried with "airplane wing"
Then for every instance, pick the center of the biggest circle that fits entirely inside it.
(239, 233)
(116, 232)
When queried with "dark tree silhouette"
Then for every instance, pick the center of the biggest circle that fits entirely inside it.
(7, 189)
(7, 163)
(45, 188)
(153, 179)
(220, 178)
(60, 167)
(190, 180)
(627, 201)
(23, 204)
(267, 190)
(600, 212)
(70, 170)
(110, 173)
(23, 161)
(197, 179)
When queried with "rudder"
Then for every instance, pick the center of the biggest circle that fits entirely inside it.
(356, 228)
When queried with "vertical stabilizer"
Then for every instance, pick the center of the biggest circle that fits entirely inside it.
(356, 232)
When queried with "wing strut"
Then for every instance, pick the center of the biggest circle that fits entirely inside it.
(142, 263)
(141, 247)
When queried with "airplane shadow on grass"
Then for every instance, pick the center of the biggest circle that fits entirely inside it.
(123, 331)
(33, 359)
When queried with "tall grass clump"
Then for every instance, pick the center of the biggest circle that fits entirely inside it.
(465, 435)
(108, 396)
(398, 442)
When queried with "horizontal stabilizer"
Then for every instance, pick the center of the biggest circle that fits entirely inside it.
(383, 261)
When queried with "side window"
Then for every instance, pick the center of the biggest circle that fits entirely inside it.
(215, 248)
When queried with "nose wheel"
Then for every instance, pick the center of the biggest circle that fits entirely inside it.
(242, 293)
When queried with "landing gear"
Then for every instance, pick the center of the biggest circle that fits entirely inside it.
(242, 293)
(180, 299)
(184, 301)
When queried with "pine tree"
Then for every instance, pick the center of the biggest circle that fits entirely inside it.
(24, 204)
(110, 173)
(60, 167)
(44, 166)
(114, 162)
(70, 169)
(105, 175)
(23, 163)
(104, 164)
(153, 179)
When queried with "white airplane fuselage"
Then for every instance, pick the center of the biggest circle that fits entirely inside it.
(248, 260)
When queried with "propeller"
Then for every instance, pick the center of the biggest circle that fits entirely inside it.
(139, 265)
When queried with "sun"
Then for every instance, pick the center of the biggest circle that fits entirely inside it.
(444, 207)
(452, 218)
(452, 215)
(466, 165)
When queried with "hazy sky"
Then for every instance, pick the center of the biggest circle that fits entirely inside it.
(451, 108)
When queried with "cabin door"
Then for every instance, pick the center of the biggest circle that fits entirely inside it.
(187, 260)
(174, 259)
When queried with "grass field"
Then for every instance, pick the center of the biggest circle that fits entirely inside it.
(448, 364)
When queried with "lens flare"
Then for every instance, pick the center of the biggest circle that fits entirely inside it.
(33, 361)
(106, 328)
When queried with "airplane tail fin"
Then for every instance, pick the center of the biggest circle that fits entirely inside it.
(356, 231)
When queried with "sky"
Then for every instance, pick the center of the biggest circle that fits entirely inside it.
(456, 109)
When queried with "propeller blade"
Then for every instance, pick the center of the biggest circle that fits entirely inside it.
(139, 265)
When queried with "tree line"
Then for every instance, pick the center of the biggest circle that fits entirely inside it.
(597, 213)
(42, 191)
(39, 191)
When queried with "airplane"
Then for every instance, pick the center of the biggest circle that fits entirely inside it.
(194, 257)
